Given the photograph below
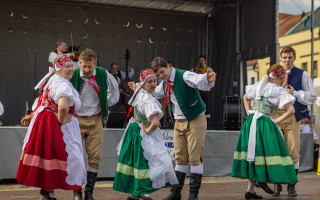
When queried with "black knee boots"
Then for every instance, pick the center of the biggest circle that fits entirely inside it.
(175, 192)
(195, 183)
(91, 180)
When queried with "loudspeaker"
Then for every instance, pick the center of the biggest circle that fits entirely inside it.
(116, 117)
(231, 112)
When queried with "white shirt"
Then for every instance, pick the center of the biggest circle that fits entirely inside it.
(76, 64)
(305, 129)
(90, 103)
(193, 80)
(307, 95)
(123, 75)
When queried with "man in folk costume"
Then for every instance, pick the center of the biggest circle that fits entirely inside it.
(190, 122)
(61, 47)
(299, 84)
(98, 90)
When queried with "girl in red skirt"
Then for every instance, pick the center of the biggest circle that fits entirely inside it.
(52, 153)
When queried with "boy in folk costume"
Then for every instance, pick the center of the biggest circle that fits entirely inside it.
(299, 84)
(181, 88)
(98, 89)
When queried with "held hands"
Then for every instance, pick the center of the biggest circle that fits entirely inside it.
(132, 85)
(25, 121)
(211, 76)
(290, 89)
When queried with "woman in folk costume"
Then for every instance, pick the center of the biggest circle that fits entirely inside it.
(52, 153)
(144, 164)
(261, 154)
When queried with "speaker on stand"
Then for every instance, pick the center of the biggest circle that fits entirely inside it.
(232, 112)
(116, 117)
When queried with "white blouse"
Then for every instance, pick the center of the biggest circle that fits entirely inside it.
(147, 104)
(276, 95)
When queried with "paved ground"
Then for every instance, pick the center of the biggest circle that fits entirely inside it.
(212, 188)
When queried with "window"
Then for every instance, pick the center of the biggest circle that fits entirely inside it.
(315, 69)
(251, 80)
(305, 66)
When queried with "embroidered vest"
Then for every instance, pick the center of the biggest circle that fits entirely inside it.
(264, 106)
(101, 78)
(295, 80)
(139, 117)
(49, 104)
(188, 98)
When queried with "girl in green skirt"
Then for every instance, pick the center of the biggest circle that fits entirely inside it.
(261, 154)
(144, 164)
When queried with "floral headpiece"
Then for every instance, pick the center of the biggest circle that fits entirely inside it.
(146, 74)
(277, 73)
(62, 61)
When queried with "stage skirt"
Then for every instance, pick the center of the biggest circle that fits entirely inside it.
(134, 175)
(43, 161)
(272, 162)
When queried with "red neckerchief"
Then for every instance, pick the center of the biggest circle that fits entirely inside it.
(166, 95)
(91, 81)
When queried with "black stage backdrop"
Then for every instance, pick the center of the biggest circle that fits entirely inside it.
(29, 30)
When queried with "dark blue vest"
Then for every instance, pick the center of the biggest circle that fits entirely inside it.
(295, 80)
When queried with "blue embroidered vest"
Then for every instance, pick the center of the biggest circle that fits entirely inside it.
(295, 80)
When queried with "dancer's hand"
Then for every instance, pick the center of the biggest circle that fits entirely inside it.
(65, 119)
(211, 76)
(290, 90)
(132, 85)
(146, 127)
(25, 121)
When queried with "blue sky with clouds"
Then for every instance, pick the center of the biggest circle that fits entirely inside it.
(296, 6)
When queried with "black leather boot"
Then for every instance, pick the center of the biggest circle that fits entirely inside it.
(264, 186)
(77, 195)
(91, 180)
(175, 192)
(46, 193)
(277, 189)
(249, 195)
(195, 183)
(291, 188)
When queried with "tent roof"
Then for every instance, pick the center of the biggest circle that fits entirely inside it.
(191, 6)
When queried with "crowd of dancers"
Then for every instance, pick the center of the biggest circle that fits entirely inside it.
(72, 102)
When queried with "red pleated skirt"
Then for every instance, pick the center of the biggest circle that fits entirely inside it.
(43, 162)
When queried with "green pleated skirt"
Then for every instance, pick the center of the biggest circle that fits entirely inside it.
(272, 162)
(133, 173)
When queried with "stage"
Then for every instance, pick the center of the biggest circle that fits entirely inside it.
(218, 151)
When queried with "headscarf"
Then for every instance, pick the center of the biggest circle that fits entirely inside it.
(143, 77)
(58, 65)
